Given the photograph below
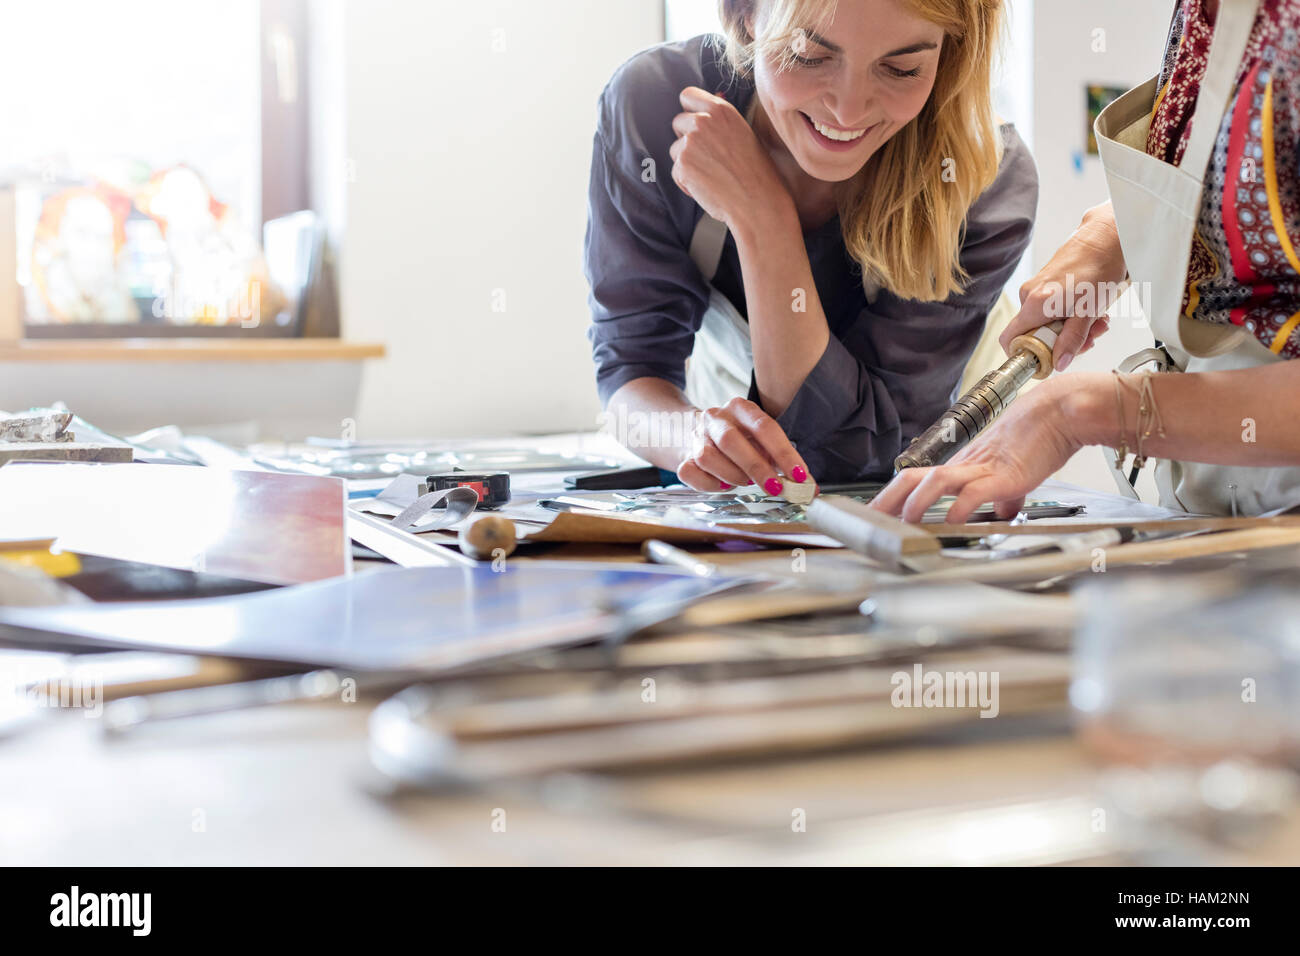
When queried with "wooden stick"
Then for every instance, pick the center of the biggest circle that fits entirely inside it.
(1121, 555)
(11, 294)
(980, 528)
(1188, 524)
(879, 536)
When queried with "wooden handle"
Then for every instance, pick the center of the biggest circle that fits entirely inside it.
(486, 535)
(870, 532)
(1040, 342)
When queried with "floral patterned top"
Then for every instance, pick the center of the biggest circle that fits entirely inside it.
(1245, 258)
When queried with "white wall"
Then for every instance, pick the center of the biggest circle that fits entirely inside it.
(469, 131)
(684, 19)
(1132, 38)
(1069, 53)
(289, 399)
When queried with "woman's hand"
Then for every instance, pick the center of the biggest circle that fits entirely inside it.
(1078, 284)
(737, 444)
(718, 160)
(1026, 445)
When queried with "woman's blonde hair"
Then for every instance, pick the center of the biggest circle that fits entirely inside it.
(903, 213)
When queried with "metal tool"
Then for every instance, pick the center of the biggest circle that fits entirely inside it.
(1031, 357)
(402, 547)
(128, 713)
(427, 737)
(568, 503)
(661, 552)
(669, 603)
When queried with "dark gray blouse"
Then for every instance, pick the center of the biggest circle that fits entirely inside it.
(891, 366)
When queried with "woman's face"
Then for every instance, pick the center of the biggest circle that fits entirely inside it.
(852, 86)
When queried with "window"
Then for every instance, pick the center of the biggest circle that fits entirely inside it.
(153, 152)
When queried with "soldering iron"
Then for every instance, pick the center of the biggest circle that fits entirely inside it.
(1031, 357)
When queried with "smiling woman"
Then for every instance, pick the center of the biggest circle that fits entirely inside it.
(911, 88)
(817, 208)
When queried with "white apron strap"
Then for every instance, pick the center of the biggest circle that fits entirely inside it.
(722, 359)
(1232, 31)
(706, 245)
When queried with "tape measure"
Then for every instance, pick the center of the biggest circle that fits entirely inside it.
(493, 489)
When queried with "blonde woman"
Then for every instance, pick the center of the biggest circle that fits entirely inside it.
(818, 210)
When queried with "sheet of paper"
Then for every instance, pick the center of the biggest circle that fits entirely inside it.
(1099, 505)
(417, 618)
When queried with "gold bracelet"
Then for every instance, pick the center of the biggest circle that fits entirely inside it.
(1148, 417)
(1122, 451)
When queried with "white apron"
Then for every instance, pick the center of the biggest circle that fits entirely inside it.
(1156, 208)
(722, 362)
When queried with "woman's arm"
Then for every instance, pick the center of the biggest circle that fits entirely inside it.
(1239, 417)
(639, 402)
(787, 324)
(719, 162)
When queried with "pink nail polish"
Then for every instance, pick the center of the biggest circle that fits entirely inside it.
(798, 474)
(773, 486)
(725, 486)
